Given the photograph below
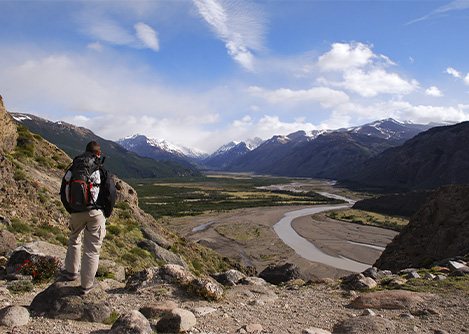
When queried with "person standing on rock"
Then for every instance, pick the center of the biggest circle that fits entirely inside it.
(88, 193)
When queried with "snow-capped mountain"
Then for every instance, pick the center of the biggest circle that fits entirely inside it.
(326, 153)
(389, 129)
(228, 153)
(161, 150)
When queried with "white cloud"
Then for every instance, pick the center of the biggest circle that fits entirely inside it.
(240, 24)
(148, 36)
(327, 97)
(433, 91)
(466, 79)
(377, 81)
(345, 56)
(453, 72)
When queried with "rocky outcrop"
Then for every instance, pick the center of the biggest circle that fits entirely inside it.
(8, 133)
(32, 250)
(63, 300)
(277, 274)
(439, 230)
(160, 253)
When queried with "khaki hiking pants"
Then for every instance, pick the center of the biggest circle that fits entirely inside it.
(94, 224)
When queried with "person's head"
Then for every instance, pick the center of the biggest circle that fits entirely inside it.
(93, 147)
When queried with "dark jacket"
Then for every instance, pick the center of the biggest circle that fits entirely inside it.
(106, 197)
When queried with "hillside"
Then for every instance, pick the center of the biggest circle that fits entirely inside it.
(125, 164)
(438, 231)
(433, 158)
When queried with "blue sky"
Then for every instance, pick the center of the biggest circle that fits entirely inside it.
(201, 73)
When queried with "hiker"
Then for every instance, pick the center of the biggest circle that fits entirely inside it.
(88, 194)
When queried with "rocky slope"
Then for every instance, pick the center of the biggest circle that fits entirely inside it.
(439, 230)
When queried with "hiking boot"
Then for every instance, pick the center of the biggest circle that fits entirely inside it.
(68, 276)
(86, 291)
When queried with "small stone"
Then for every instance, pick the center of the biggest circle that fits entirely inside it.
(440, 277)
(397, 282)
(406, 316)
(440, 331)
(368, 312)
(253, 328)
(429, 276)
(412, 274)
(201, 311)
(455, 265)
(315, 330)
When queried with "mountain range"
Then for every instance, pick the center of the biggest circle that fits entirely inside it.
(386, 154)
(125, 164)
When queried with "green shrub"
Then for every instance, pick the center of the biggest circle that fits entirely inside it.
(112, 318)
(114, 229)
(62, 239)
(129, 257)
(122, 205)
(42, 198)
(140, 252)
(19, 227)
(19, 175)
(125, 215)
(21, 286)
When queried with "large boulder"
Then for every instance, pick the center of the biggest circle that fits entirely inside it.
(277, 274)
(364, 325)
(14, 316)
(132, 322)
(152, 235)
(63, 300)
(439, 230)
(358, 282)
(31, 251)
(7, 241)
(163, 254)
(176, 321)
(229, 278)
(167, 274)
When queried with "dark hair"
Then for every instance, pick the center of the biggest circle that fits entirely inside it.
(93, 147)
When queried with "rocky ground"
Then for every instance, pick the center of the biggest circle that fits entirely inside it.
(291, 308)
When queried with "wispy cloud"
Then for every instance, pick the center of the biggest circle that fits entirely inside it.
(147, 36)
(240, 24)
(104, 29)
(452, 6)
